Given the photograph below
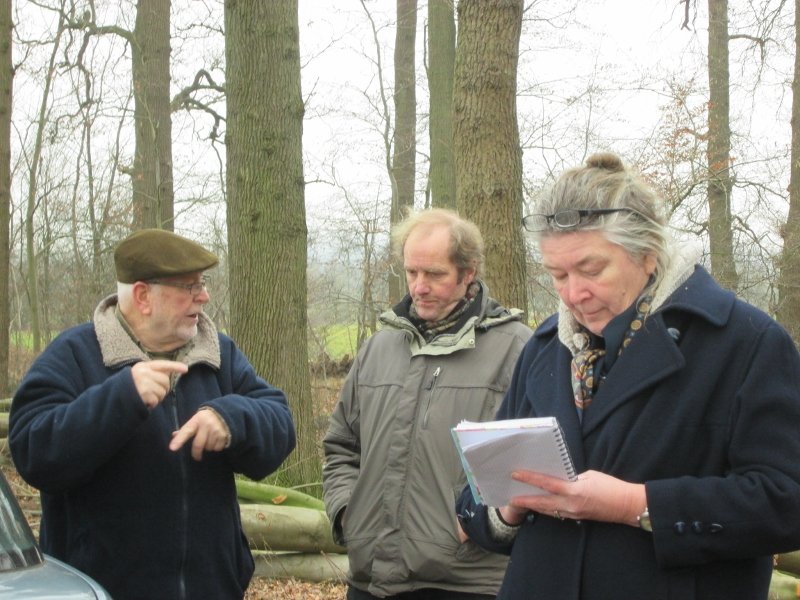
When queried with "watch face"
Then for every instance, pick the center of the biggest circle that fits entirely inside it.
(644, 521)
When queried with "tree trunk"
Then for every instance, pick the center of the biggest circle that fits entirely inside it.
(32, 200)
(6, 82)
(441, 67)
(267, 235)
(720, 183)
(488, 157)
(788, 311)
(405, 111)
(153, 194)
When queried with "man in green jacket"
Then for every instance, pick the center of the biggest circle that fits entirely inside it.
(444, 354)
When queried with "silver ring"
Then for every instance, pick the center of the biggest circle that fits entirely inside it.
(557, 516)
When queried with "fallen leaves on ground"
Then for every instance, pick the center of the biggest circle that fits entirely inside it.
(290, 589)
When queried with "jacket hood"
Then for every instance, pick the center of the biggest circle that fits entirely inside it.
(118, 348)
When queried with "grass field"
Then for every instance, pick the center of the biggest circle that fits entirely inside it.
(338, 340)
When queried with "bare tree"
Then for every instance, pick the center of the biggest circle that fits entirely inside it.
(488, 158)
(788, 311)
(153, 194)
(441, 70)
(267, 236)
(720, 183)
(405, 110)
(6, 82)
(34, 191)
(151, 172)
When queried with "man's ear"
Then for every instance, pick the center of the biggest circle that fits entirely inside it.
(143, 297)
(469, 275)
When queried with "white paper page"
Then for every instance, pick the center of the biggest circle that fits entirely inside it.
(493, 462)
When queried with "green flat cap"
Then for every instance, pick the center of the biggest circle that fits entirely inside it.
(155, 253)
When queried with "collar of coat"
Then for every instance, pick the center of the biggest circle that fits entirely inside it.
(675, 292)
(118, 348)
(492, 314)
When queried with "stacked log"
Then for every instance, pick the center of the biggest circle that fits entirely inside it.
(289, 534)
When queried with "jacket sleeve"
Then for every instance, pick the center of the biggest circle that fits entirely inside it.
(257, 414)
(342, 444)
(754, 507)
(63, 424)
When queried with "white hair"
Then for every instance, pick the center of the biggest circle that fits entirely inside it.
(124, 293)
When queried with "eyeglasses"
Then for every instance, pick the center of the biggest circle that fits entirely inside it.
(193, 288)
(566, 218)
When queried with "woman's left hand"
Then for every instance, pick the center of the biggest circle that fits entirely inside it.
(595, 496)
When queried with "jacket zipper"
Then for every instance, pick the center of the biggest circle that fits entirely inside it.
(431, 387)
(184, 501)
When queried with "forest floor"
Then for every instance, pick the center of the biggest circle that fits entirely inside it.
(325, 393)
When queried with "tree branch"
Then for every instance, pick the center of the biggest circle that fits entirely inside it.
(685, 24)
(181, 98)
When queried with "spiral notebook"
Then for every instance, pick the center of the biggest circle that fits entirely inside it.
(491, 451)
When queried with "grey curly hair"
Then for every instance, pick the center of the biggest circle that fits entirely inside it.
(605, 182)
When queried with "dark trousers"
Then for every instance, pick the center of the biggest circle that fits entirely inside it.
(424, 594)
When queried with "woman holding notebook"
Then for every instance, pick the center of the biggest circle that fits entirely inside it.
(679, 403)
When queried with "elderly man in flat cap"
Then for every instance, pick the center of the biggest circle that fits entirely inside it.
(132, 427)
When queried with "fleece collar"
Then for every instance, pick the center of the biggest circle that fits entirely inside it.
(118, 348)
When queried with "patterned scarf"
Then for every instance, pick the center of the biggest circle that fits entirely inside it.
(583, 363)
(430, 329)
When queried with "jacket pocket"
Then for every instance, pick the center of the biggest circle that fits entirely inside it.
(469, 551)
(360, 554)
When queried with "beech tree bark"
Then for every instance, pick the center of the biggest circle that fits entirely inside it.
(267, 234)
(488, 157)
(720, 183)
(441, 70)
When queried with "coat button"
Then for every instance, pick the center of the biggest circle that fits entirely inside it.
(697, 527)
(679, 527)
(715, 528)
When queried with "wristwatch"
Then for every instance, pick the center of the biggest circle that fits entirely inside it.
(644, 520)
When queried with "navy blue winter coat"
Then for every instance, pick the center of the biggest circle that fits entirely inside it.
(146, 522)
(710, 423)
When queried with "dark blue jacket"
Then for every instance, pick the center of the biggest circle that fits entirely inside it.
(710, 422)
(146, 522)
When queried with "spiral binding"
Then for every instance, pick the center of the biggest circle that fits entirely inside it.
(563, 449)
